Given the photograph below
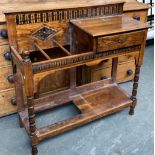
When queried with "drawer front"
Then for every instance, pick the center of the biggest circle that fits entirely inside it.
(3, 50)
(125, 72)
(120, 41)
(5, 77)
(5, 102)
(108, 62)
(139, 15)
(3, 35)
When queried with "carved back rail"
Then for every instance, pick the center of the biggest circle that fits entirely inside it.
(23, 26)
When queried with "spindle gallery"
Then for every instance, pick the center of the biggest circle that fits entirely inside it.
(66, 37)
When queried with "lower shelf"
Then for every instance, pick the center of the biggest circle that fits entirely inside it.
(94, 100)
(93, 105)
(107, 99)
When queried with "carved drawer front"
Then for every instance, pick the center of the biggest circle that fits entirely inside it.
(138, 15)
(6, 78)
(5, 58)
(3, 35)
(125, 72)
(120, 41)
(5, 102)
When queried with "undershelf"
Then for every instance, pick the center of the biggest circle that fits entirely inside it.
(93, 104)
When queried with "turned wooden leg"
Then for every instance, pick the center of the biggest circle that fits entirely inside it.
(20, 123)
(134, 91)
(32, 125)
(34, 150)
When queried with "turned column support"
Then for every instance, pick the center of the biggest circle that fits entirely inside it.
(134, 91)
(32, 124)
(29, 89)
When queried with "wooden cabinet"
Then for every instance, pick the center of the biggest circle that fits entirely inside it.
(133, 9)
(92, 40)
(6, 97)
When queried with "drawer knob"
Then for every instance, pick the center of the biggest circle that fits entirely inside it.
(10, 78)
(136, 18)
(8, 55)
(129, 72)
(13, 101)
(4, 33)
(122, 40)
(103, 78)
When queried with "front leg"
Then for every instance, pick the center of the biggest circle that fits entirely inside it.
(32, 125)
(134, 91)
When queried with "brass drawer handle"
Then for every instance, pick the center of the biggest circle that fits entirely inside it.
(122, 40)
(103, 78)
(4, 33)
(8, 56)
(129, 72)
(13, 101)
(136, 18)
(10, 78)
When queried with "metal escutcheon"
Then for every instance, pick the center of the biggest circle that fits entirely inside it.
(122, 40)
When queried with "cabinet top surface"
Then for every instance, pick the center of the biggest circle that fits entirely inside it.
(109, 25)
(65, 4)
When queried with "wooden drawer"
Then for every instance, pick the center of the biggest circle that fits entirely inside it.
(142, 15)
(3, 61)
(4, 73)
(126, 69)
(125, 72)
(3, 38)
(5, 102)
(120, 41)
(121, 59)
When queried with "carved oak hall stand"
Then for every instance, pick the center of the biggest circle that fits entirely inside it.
(42, 42)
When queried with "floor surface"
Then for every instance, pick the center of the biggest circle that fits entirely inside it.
(117, 134)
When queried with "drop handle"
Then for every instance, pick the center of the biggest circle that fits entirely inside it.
(129, 72)
(103, 78)
(122, 40)
(4, 33)
(8, 56)
(13, 101)
(136, 18)
(10, 78)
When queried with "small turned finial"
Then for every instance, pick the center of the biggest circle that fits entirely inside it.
(26, 56)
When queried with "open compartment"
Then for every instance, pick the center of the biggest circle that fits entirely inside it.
(53, 53)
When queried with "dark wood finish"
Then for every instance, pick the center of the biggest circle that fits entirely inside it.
(134, 91)
(65, 45)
